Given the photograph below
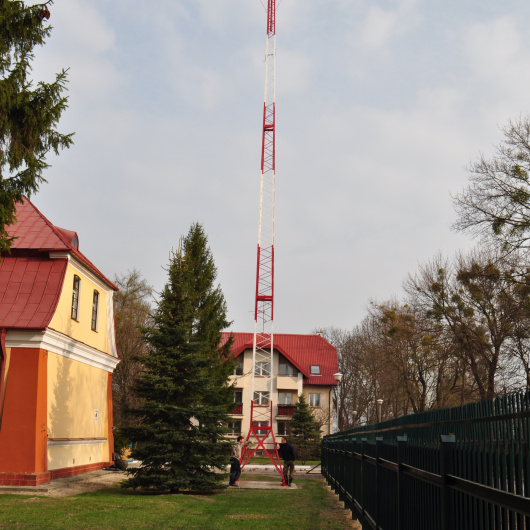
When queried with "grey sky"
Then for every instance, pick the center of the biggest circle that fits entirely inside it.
(381, 105)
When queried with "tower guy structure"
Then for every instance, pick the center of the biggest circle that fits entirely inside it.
(261, 424)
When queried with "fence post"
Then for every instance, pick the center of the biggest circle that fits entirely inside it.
(355, 476)
(363, 451)
(378, 442)
(447, 447)
(341, 470)
(401, 447)
(334, 458)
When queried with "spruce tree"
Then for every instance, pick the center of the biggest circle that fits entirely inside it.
(305, 431)
(28, 114)
(184, 391)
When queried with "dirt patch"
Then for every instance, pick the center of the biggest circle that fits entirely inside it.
(343, 512)
(248, 516)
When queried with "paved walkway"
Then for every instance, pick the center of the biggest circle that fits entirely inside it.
(65, 487)
(97, 480)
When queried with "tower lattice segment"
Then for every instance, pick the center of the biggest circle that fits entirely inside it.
(262, 387)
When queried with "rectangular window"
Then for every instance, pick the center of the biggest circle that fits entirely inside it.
(315, 370)
(286, 368)
(75, 297)
(261, 398)
(262, 368)
(95, 302)
(234, 428)
(285, 398)
(314, 400)
(284, 428)
(238, 396)
(238, 370)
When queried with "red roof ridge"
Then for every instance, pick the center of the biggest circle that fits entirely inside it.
(59, 232)
(62, 234)
(302, 350)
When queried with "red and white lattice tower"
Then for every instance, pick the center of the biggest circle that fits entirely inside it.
(261, 416)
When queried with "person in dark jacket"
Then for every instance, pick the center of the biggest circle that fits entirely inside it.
(288, 454)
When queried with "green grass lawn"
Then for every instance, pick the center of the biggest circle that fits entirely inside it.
(310, 506)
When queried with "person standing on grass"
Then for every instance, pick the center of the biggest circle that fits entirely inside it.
(287, 452)
(235, 466)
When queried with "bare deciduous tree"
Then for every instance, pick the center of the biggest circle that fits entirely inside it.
(496, 204)
(132, 313)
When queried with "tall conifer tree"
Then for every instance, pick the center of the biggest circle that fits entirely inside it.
(185, 394)
(28, 114)
(305, 431)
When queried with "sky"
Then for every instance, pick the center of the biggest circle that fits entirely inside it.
(381, 105)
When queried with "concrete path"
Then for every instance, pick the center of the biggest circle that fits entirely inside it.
(97, 480)
(65, 487)
(263, 485)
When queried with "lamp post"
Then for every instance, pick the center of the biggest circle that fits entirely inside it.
(338, 377)
(379, 412)
(354, 416)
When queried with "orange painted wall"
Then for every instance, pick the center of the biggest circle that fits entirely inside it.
(23, 433)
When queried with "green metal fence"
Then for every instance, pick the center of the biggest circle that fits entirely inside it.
(461, 468)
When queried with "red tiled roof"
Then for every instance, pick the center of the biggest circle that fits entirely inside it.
(301, 350)
(35, 232)
(30, 286)
(31, 281)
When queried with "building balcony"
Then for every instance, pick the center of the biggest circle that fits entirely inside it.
(286, 410)
(238, 408)
(285, 382)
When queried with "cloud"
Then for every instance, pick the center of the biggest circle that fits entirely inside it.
(497, 54)
(202, 88)
(167, 102)
(497, 51)
(83, 42)
(84, 26)
(295, 70)
(382, 26)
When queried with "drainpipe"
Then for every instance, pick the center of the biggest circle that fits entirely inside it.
(330, 430)
(3, 363)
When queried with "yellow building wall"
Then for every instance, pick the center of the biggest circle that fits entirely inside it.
(75, 391)
(80, 330)
(285, 384)
(324, 412)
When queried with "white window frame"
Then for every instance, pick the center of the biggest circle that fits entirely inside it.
(289, 371)
(314, 400)
(262, 369)
(240, 394)
(284, 428)
(315, 369)
(285, 398)
(95, 311)
(233, 428)
(76, 295)
(238, 370)
(261, 397)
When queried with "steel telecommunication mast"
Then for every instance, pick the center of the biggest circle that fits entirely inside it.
(261, 417)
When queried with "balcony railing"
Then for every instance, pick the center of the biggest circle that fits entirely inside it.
(238, 409)
(286, 410)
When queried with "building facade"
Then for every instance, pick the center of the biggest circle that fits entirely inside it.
(302, 364)
(57, 355)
